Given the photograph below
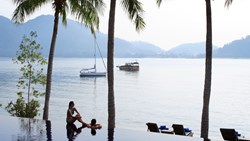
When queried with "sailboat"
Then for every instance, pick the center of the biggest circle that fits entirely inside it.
(92, 72)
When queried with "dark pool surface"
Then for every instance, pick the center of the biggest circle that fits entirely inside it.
(24, 129)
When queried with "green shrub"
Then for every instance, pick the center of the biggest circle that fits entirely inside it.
(32, 79)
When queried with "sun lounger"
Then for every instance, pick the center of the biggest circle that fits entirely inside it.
(231, 135)
(152, 127)
(180, 130)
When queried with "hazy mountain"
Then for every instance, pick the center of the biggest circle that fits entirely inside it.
(74, 40)
(236, 49)
(192, 50)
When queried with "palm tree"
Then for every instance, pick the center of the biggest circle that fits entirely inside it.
(134, 10)
(208, 71)
(228, 2)
(208, 74)
(85, 11)
(158, 2)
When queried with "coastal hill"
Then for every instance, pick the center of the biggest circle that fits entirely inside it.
(190, 50)
(236, 49)
(75, 40)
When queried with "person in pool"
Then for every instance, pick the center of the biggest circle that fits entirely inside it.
(71, 118)
(94, 126)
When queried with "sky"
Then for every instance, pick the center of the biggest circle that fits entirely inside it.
(175, 22)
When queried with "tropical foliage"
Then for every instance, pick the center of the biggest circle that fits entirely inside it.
(32, 79)
(84, 10)
(228, 2)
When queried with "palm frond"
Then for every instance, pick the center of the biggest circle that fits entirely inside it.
(63, 13)
(140, 24)
(87, 11)
(135, 11)
(228, 3)
(158, 2)
(25, 8)
(62, 7)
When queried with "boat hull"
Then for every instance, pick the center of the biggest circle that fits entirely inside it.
(129, 68)
(93, 74)
(132, 66)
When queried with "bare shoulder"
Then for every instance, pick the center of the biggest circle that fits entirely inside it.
(99, 125)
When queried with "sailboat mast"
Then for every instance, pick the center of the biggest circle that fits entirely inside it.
(95, 54)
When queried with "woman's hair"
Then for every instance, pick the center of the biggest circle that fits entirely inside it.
(93, 122)
(70, 103)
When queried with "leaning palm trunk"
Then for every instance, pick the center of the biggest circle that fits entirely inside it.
(50, 66)
(85, 11)
(111, 97)
(208, 74)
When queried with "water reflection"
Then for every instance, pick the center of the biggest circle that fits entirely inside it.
(48, 130)
(111, 134)
(32, 129)
(73, 131)
(22, 129)
(93, 132)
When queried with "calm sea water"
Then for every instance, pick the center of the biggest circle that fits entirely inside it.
(164, 91)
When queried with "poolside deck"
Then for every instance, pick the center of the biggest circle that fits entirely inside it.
(24, 129)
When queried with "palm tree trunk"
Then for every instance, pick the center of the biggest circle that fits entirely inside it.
(208, 74)
(111, 97)
(50, 66)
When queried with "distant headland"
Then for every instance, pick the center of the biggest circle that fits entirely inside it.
(75, 40)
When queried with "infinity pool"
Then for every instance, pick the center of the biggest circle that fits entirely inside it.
(24, 129)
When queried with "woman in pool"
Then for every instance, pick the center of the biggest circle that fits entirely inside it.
(71, 118)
